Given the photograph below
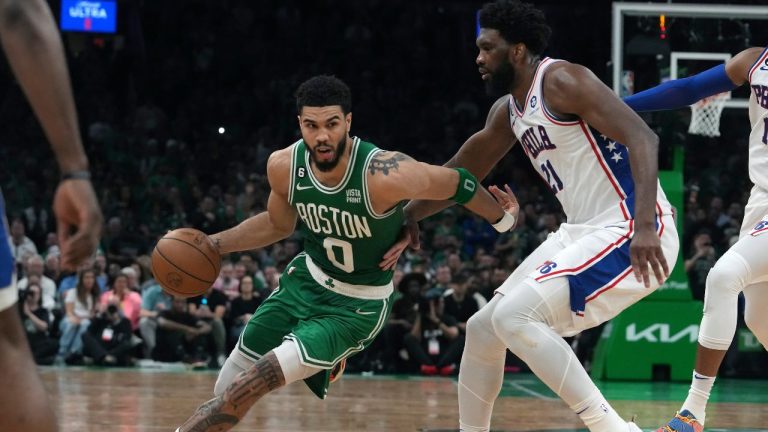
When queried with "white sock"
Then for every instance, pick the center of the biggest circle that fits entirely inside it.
(698, 395)
(466, 428)
(598, 414)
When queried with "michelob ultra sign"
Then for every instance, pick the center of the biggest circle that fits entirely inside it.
(89, 16)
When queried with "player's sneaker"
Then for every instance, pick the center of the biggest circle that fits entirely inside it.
(337, 371)
(684, 421)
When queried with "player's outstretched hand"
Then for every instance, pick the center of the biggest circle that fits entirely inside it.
(645, 250)
(409, 236)
(507, 199)
(78, 221)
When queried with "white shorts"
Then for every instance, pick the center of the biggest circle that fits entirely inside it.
(755, 213)
(596, 262)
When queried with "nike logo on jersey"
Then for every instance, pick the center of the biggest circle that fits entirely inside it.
(300, 187)
(359, 312)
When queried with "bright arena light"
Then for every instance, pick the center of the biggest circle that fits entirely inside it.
(221, 130)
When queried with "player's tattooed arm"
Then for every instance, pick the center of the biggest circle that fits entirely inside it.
(223, 412)
(386, 162)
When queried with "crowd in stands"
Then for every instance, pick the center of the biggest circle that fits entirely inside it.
(180, 113)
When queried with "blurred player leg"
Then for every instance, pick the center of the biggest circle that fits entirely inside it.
(481, 371)
(23, 398)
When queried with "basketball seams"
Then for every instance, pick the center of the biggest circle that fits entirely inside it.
(164, 285)
(215, 267)
(180, 269)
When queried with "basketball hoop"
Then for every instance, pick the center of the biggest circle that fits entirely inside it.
(705, 115)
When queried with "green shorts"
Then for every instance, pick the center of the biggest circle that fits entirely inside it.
(326, 326)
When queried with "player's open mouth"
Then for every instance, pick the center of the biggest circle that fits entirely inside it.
(324, 152)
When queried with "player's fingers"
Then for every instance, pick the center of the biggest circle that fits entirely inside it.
(643, 263)
(635, 264)
(497, 193)
(663, 261)
(509, 192)
(62, 232)
(81, 246)
(656, 267)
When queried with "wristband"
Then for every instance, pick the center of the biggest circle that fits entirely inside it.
(466, 188)
(506, 223)
(76, 175)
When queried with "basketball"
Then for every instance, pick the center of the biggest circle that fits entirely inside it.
(185, 262)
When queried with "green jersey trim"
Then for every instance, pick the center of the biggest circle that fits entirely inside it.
(291, 180)
(347, 175)
(367, 196)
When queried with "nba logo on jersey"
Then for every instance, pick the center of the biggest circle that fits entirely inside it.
(761, 227)
(546, 267)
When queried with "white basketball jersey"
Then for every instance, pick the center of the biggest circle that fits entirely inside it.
(588, 173)
(758, 118)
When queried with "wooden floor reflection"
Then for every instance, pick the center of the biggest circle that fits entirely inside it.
(134, 401)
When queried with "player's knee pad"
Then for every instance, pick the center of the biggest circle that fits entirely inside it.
(724, 283)
(481, 341)
(521, 306)
(290, 363)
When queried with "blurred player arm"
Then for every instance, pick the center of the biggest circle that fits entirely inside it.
(686, 91)
(394, 177)
(33, 46)
(35, 52)
(571, 89)
(479, 154)
(273, 225)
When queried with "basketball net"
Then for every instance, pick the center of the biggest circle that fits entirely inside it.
(705, 115)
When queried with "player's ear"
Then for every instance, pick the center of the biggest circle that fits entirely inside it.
(348, 120)
(298, 117)
(518, 52)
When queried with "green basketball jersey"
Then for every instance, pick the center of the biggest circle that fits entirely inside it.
(342, 233)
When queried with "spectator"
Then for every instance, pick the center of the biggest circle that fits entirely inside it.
(133, 278)
(459, 302)
(128, 302)
(699, 264)
(34, 266)
(80, 306)
(226, 283)
(147, 277)
(210, 308)
(435, 342)
(180, 335)
(442, 278)
(52, 269)
(153, 302)
(243, 307)
(21, 245)
(271, 280)
(36, 322)
(108, 339)
(100, 267)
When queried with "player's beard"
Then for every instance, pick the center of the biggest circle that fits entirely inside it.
(326, 166)
(500, 82)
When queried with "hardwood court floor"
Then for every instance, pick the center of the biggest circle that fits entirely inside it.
(136, 401)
